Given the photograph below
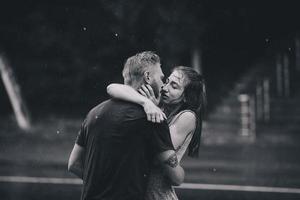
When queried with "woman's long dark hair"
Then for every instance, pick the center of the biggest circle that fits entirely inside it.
(195, 100)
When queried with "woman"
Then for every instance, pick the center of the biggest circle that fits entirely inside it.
(182, 100)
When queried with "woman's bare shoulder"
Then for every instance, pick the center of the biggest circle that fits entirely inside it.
(185, 120)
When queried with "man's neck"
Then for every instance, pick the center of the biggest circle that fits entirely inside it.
(135, 86)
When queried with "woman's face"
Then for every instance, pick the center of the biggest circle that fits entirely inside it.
(172, 90)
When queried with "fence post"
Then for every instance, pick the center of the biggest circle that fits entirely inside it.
(266, 97)
(279, 85)
(297, 53)
(286, 76)
(259, 101)
(248, 125)
(252, 117)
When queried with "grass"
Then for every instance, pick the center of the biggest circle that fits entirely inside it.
(50, 140)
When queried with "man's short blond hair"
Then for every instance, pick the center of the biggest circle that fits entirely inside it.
(135, 66)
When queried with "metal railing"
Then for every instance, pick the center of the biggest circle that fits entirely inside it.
(270, 81)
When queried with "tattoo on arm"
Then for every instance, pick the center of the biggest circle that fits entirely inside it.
(172, 161)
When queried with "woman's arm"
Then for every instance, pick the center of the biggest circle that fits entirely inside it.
(179, 130)
(127, 93)
(171, 167)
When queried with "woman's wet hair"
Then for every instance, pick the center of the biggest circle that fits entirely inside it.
(195, 100)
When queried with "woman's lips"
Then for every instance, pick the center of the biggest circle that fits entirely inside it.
(164, 96)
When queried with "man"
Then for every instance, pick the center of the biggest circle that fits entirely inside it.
(117, 145)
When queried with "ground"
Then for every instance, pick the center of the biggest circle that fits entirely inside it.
(43, 153)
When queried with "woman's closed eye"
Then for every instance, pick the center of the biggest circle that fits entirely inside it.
(174, 85)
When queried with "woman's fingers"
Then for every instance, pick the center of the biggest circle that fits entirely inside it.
(150, 90)
(159, 118)
(142, 92)
(149, 117)
(156, 117)
(145, 89)
(164, 116)
(154, 113)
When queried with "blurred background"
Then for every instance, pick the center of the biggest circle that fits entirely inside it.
(57, 57)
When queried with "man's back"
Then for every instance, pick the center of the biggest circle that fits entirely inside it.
(119, 144)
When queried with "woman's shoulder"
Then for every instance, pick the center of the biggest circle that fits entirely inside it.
(183, 126)
(185, 120)
(189, 113)
(185, 115)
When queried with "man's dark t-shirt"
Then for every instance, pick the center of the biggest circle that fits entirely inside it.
(120, 145)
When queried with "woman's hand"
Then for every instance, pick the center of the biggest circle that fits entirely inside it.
(154, 113)
(127, 93)
(147, 91)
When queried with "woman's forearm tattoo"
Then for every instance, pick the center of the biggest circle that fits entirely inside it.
(172, 161)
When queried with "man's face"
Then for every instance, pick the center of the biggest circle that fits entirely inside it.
(156, 81)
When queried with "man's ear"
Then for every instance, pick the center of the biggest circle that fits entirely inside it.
(147, 77)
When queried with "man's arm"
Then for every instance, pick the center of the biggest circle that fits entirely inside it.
(171, 167)
(75, 164)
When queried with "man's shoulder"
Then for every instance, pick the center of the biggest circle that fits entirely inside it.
(121, 104)
(120, 107)
(129, 109)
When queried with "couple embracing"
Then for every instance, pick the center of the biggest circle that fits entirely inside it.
(130, 146)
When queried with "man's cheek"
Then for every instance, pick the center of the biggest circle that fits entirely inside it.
(155, 89)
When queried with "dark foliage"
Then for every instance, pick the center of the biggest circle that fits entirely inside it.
(64, 53)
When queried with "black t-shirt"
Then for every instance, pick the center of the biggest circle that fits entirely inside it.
(120, 145)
